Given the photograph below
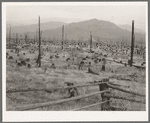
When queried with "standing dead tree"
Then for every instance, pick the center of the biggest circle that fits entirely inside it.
(9, 35)
(132, 43)
(39, 57)
(16, 38)
(90, 42)
(62, 37)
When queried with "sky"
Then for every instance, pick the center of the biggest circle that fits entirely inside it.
(116, 12)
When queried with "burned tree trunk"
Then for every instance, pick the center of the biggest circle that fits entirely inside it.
(39, 58)
(132, 43)
(90, 42)
(16, 38)
(9, 35)
(62, 37)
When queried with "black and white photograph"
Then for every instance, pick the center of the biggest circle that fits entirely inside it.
(75, 61)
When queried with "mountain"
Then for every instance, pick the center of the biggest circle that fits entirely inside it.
(129, 28)
(101, 30)
(12, 23)
(34, 27)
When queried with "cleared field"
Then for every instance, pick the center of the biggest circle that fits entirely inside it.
(24, 78)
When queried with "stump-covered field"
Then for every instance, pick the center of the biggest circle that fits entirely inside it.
(61, 66)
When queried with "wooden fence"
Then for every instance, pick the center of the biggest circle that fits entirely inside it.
(105, 88)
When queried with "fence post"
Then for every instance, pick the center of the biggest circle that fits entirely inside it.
(103, 87)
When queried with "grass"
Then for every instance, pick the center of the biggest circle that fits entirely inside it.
(24, 78)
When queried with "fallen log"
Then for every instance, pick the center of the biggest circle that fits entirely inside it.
(137, 66)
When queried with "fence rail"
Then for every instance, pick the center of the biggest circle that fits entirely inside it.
(90, 105)
(56, 89)
(112, 107)
(33, 106)
(119, 85)
(124, 98)
(105, 88)
(124, 90)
